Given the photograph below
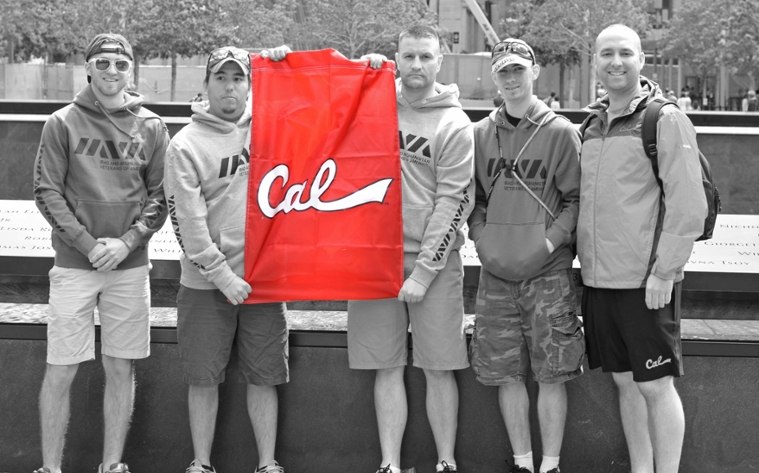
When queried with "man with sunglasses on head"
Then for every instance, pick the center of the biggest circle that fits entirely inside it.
(633, 239)
(526, 166)
(98, 180)
(207, 187)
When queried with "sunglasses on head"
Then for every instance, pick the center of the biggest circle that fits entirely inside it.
(102, 64)
(518, 48)
(223, 53)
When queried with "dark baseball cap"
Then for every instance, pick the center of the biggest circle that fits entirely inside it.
(108, 43)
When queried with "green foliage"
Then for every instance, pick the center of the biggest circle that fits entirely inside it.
(561, 31)
(153, 27)
(358, 27)
(261, 23)
(706, 34)
(36, 28)
(693, 36)
(182, 27)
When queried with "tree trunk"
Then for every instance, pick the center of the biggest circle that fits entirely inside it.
(136, 73)
(592, 79)
(584, 78)
(571, 86)
(562, 101)
(173, 76)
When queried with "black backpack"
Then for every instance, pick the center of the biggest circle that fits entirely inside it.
(648, 134)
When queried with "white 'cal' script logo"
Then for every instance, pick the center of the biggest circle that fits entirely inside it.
(651, 364)
(372, 193)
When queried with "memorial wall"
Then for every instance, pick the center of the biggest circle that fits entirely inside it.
(326, 411)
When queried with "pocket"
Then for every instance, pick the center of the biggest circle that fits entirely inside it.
(567, 338)
(54, 271)
(107, 219)
(559, 340)
(513, 252)
(567, 343)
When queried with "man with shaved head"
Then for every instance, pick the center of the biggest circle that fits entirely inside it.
(633, 239)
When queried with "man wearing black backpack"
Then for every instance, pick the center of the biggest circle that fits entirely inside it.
(632, 254)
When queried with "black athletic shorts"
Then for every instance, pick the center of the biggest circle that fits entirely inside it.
(622, 334)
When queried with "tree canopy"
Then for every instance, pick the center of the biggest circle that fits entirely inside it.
(707, 34)
(358, 27)
(562, 30)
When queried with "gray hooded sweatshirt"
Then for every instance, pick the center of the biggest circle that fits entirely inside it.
(206, 188)
(99, 173)
(437, 162)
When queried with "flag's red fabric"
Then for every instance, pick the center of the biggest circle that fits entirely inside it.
(324, 196)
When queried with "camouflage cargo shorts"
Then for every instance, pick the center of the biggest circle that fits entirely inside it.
(527, 324)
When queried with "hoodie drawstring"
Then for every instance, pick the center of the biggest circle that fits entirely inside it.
(110, 119)
(514, 165)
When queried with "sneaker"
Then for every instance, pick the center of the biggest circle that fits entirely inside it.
(447, 468)
(271, 469)
(555, 470)
(516, 469)
(197, 467)
(115, 468)
(42, 470)
(386, 469)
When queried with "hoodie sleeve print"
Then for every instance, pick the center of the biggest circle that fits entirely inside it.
(453, 202)
(478, 217)
(567, 181)
(684, 199)
(188, 211)
(154, 211)
(50, 170)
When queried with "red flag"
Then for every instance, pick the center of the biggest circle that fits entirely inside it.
(324, 196)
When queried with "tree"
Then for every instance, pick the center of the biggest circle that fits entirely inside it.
(36, 29)
(708, 34)
(261, 23)
(742, 41)
(519, 24)
(172, 28)
(566, 30)
(693, 37)
(358, 27)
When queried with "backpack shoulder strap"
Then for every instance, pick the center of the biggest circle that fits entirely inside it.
(648, 136)
(648, 129)
(648, 133)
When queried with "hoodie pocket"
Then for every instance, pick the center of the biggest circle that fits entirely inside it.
(513, 252)
(107, 219)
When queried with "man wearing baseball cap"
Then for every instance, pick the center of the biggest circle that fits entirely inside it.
(526, 165)
(207, 186)
(98, 180)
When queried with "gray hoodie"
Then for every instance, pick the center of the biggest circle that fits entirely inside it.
(510, 229)
(99, 173)
(437, 162)
(206, 187)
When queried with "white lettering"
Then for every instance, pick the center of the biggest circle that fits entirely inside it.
(374, 192)
(650, 364)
